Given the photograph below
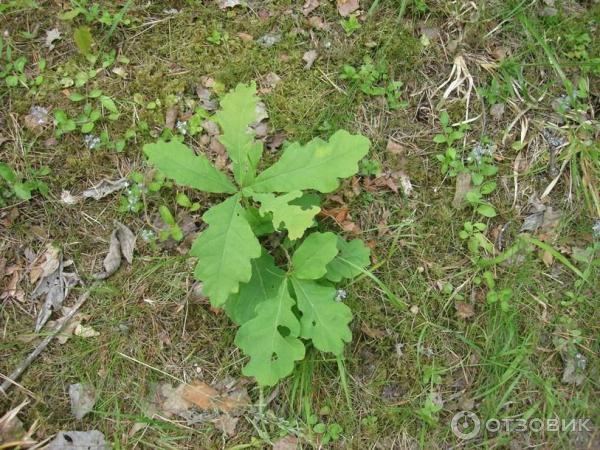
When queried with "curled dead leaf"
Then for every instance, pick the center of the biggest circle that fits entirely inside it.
(122, 245)
(104, 188)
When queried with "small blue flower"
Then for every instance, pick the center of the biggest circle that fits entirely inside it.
(340, 295)
(596, 230)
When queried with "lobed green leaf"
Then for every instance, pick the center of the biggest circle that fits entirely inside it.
(295, 218)
(353, 257)
(225, 250)
(323, 320)
(178, 161)
(237, 113)
(271, 340)
(264, 284)
(311, 258)
(317, 165)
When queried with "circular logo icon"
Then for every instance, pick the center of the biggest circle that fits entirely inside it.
(465, 425)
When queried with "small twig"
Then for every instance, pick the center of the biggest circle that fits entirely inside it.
(131, 358)
(12, 378)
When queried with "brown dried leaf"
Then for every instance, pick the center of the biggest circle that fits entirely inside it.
(347, 7)
(45, 264)
(245, 37)
(226, 424)
(171, 117)
(122, 245)
(275, 141)
(286, 443)
(317, 22)
(309, 6)
(373, 333)
(394, 148)
(269, 82)
(464, 310)
(547, 258)
(12, 433)
(12, 289)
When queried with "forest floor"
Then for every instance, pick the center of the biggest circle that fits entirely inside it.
(479, 200)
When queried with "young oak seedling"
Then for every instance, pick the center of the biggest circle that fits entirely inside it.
(278, 309)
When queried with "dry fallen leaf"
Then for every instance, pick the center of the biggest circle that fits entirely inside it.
(171, 117)
(36, 120)
(286, 443)
(269, 82)
(464, 310)
(309, 58)
(56, 285)
(347, 7)
(497, 111)
(226, 424)
(373, 333)
(11, 288)
(275, 141)
(245, 37)
(85, 331)
(71, 440)
(12, 433)
(51, 36)
(122, 244)
(394, 148)
(45, 264)
(542, 218)
(83, 398)
(104, 188)
(309, 6)
(199, 394)
(405, 183)
(224, 4)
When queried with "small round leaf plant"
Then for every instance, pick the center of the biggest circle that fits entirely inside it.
(279, 307)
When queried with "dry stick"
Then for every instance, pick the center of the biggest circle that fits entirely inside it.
(12, 378)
